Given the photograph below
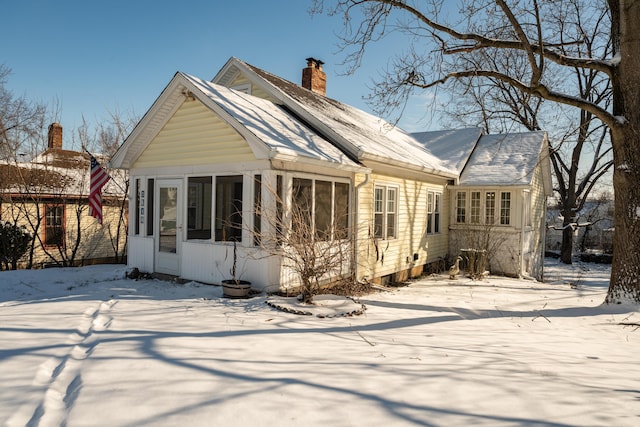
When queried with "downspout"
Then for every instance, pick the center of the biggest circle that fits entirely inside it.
(355, 222)
(523, 273)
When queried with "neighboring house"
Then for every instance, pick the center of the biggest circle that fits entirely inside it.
(209, 159)
(592, 231)
(48, 196)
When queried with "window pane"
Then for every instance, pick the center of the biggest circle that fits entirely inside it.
(461, 206)
(301, 201)
(199, 207)
(391, 213)
(490, 208)
(279, 207)
(229, 208)
(378, 217)
(257, 209)
(429, 213)
(505, 208)
(341, 210)
(436, 213)
(137, 207)
(150, 201)
(475, 207)
(323, 210)
(54, 226)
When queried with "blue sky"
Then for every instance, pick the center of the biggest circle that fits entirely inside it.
(93, 58)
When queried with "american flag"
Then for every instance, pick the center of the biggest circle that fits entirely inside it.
(99, 177)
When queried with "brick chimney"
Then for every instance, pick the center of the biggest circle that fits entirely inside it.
(313, 78)
(55, 136)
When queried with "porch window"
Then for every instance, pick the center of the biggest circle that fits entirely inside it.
(301, 203)
(323, 208)
(257, 209)
(475, 207)
(505, 208)
(434, 202)
(461, 207)
(385, 212)
(150, 201)
(199, 200)
(54, 231)
(137, 207)
(490, 208)
(341, 210)
(229, 208)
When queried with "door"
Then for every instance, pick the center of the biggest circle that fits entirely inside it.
(168, 225)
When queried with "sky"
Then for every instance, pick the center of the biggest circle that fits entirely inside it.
(92, 58)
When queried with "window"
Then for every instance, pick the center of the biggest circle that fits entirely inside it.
(301, 203)
(385, 211)
(229, 208)
(138, 208)
(490, 208)
(434, 201)
(461, 207)
(505, 208)
(54, 225)
(199, 207)
(320, 208)
(341, 210)
(279, 207)
(475, 207)
(257, 209)
(150, 199)
(527, 209)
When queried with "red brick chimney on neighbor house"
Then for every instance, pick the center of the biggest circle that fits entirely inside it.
(55, 136)
(313, 78)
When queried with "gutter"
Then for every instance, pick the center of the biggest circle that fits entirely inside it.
(355, 222)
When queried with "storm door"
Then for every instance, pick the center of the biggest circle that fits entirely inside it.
(168, 205)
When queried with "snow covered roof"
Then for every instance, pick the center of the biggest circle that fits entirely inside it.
(452, 146)
(56, 173)
(504, 159)
(362, 135)
(272, 124)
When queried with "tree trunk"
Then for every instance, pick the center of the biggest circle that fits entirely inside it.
(566, 251)
(625, 137)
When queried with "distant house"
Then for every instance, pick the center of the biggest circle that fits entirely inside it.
(48, 196)
(207, 155)
(592, 230)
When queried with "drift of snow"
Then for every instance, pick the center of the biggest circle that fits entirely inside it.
(87, 347)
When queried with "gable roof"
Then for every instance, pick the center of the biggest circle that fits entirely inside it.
(506, 159)
(272, 133)
(362, 135)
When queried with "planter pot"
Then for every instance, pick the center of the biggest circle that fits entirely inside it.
(236, 288)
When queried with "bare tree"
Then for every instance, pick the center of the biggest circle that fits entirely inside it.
(525, 28)
(317, 251)
(580, 144)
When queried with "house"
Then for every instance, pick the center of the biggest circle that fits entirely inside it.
(210, 159)
(499, 200)
(48, 196)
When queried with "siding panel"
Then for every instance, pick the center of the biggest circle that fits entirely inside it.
(195, 135)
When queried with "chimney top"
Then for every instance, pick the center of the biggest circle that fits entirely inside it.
(54, 139)
(312, 62)
(313, 78)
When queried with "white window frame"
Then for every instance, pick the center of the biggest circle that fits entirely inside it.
(386, 212)
(434, 212)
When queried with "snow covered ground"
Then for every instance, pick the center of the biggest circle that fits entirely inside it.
(86, 347)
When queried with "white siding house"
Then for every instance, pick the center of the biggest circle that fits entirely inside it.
(210, 159)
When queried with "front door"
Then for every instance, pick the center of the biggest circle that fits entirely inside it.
(169, 225)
